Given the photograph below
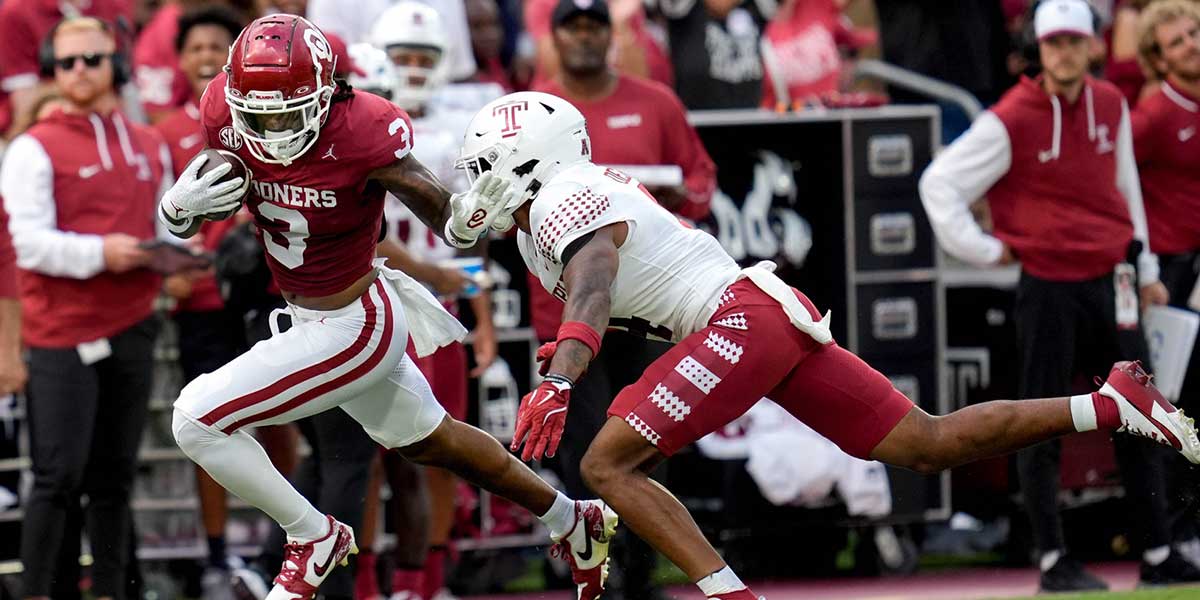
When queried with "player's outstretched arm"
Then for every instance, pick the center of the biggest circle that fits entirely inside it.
(590, 268)
(418, 188)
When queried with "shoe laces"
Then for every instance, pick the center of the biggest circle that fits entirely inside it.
(292, 559)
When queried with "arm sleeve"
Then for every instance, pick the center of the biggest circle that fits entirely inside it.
(683, 148)
(27, 185)
(961, 174)
(1131, 188)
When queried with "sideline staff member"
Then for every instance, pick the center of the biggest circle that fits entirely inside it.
(1055, 159)
(80, 188)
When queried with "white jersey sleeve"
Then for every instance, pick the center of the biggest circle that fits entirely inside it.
(669, 277)
(572, 210)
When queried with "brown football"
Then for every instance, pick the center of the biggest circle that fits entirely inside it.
(217, 158)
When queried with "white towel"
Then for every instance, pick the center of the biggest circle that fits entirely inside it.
(429, 325)
(763, 276)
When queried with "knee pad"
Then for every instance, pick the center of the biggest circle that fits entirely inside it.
(190, 435)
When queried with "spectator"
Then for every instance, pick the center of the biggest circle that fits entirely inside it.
(964, 42)
(1055, 159)
(80, 188)
(715, 52)
(634, 51)
(1123, 68)
(23, 24)
(162, 86)
(802, 53)
(1168, 153)
(487, 42)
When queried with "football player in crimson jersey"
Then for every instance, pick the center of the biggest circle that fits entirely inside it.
(322, 157)
(598, 241)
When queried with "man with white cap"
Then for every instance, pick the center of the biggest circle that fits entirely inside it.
(1054, 157)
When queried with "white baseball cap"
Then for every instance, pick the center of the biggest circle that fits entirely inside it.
(1056, 17)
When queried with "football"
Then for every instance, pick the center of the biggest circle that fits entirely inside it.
(217, 158)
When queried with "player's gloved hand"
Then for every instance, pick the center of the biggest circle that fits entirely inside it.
(545, 353)
(194, 194)
(542, 416)
(474, 211)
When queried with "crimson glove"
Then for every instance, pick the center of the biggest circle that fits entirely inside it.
(542, 415)
(545, 353)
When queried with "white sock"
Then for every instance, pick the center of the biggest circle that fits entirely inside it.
(561, 516)
(1049, 559)
(721, 582)
(240, 465)
(1083, 413)
(1156, 556)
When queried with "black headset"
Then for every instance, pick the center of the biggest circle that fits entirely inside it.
(120, 62)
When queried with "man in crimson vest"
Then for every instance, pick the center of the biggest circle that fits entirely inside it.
(1054, 157)
(81, 188)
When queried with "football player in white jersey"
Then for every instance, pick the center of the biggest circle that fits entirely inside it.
(598, 241)
(412, 42)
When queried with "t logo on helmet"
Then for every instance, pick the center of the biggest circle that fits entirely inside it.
(509, 112)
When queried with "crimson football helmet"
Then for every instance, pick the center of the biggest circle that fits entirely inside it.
(279, 86)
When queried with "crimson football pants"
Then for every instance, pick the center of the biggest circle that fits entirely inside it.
(85, 425)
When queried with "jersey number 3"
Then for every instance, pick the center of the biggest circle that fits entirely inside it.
(295, 235)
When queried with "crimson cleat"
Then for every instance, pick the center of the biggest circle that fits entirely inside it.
(307, 564)
(585, 547)
(1145, 412)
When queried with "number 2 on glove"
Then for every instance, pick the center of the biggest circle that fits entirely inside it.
(541, 418)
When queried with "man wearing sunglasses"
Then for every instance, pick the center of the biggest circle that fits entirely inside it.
(81, 189)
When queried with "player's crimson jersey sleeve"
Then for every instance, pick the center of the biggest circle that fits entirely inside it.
(214, 113)
(382, 131)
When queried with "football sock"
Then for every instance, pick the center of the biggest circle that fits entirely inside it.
(560, 518)
(216, 553)
(1094, 411)
(408, 578)
(721, 582)
(240, 465)
(435, 571)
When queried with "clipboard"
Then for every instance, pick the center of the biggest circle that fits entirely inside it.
(1171, 336)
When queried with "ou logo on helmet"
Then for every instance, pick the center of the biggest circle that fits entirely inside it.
(508, 114)
(318, 46)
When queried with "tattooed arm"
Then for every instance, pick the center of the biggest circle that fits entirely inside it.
(419, 189)
(591, 268)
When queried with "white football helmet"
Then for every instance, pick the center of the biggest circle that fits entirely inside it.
(525, 138)
(412, 26)
(380, 75)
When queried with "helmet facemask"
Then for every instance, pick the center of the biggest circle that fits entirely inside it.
(277, 131)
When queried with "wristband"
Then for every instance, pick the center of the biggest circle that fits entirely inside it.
(456, 241)
(560, 379)
(582, 332)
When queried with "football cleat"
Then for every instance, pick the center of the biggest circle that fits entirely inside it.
(307, 564)
(1145, 412)
(585, 546)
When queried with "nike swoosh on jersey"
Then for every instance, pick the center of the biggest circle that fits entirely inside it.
(88, 171)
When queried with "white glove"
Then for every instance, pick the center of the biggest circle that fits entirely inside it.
(473, 212)
(193, 196)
